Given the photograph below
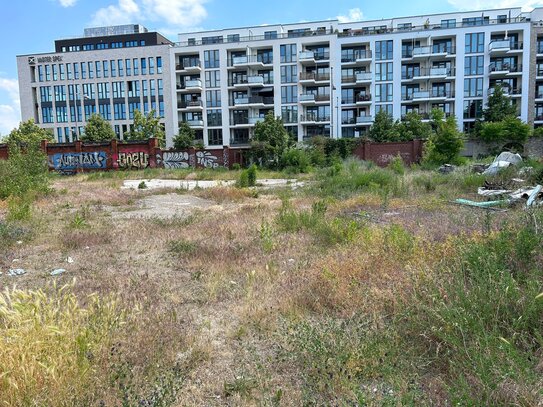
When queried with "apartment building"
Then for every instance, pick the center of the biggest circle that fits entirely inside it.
(111, 71)
(323, 78)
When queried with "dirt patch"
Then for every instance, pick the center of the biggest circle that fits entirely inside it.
(162, 206)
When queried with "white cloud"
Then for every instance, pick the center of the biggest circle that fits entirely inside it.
(10, 114)
(527, 5)
(67, 3)
(355, 14)
(174, 13)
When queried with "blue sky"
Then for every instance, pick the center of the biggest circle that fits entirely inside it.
(31, 26)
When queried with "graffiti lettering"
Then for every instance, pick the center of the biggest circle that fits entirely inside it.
(71, 161)
(206, 159)
(173, 159)
(138, 160)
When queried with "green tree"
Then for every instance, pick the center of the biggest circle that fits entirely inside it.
(146, 127)
(384, 128)
(28, 133)
(444, 146)
(498, 107)
(510, 129)
(97, 130)
(270, 140)
(412, 127)
(185, 137)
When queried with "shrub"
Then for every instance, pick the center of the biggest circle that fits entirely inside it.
(396, 165)
(243, 180)
(251, 175)
(445, 145)
(295, 160)
(236, 167)
(185, 138)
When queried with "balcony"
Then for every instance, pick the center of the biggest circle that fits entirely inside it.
(358, 57)
(425, 74)
(425, 95)
(190, 105)
(246, 122)
(312, 78)
(539, 97)
(312, 99)
(497, 69)
(193, 85)
(363, 99)
(365, 120)
(312, 58)
(429, 52)
(507, 91)
(504, 46)
(255, 81)
(538, 118)
(196, 124)
(254, 101)
(311, 119)
(250, 61)
(364, 77)
(189, 66)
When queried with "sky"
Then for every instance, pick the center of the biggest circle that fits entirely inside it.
(32, 26)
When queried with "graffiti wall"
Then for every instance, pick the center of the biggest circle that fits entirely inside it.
(193, 159)
(70, 162)
(132, 160)
(173, 159)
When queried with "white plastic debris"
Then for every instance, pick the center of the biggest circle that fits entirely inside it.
(504, 160)
(58, 272)
(16, 272)
(69, 260)
(19, 242)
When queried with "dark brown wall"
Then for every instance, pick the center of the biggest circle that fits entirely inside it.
(383, 153)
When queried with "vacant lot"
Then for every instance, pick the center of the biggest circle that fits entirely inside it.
(364, 287)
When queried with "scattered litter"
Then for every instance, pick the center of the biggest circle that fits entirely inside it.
(16, 272)
(479, 168)
(19, 242)
(15, 260)
(492, 192)
(502, 161)
(447, 168)
(69, 260)
(533, 195)
(58, 272)
(485, 205)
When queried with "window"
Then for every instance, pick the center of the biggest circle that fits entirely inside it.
(405, 26)
(214, 137)
(473, 109)
(152, 87)
(151, 66)
(144, 88)
(158, 64)
(69, 71)
(232, 38)
(45, 94)
(62, 71)
(451, 23)
(40, 73)
(55, 72)
(383, 71)
(211, 59)
(383, 93)
(212, 40)
(133, 89)
(120, 64)
(384, 108)
(84, 70)
(289, 94)
(47, 73)
(143, 66)
(473, 87)
(160, 87)
(76, 71)
(119, 111)
(474, 65)
(118, 90)
(132, 107)
(383, 50)
(270, 35)
(213, 79)
(289, 114)
(62, 114)
(136, 66)
(105, 110)
(89, 111)
(214, 117)
(289, 74)
(113, 69)
(473, 21)
(410, 71)
(128, 66)
(88, 90)
(502, 19)
(47, 115)
(475, 43)
(60, 93)
(213, 98)
(288, 53)
(103, 90)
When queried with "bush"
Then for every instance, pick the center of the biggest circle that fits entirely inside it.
(185, 138)
(396, 165)
(243, 180)
(251, 175)
(295, 160)
(445, 145)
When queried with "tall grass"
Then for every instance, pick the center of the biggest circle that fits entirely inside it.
(49, 345)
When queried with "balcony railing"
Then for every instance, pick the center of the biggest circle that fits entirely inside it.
(251, 80)
(308, 76)
(250, 59)
(357, 56)
(358, 98)
(195, 123)
(505, 45)
(314, 118)
(183, 104)
(187, 64)
(430, 50)
(499, 67)
(311, 55)
(428, 72)
(196, 83)
(364, 119)
(254, 100)
(311, 97)
(506, 91)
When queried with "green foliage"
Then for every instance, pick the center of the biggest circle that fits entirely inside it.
(482, 319)
(384, 128)
(236, 166)
(296, 160)
(98, 130)
(270, 141)
(445, 144)
(251, 175)
(146, 127)
(354, 176)
(27, 134)
(181, 247)
(266, 234)
(538, 132)
(412, 127)
(397, 165)
(185, 138)
(243, 180)
(510, 129)
(498, 107)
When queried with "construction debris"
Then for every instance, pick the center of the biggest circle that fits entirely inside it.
(504, 160)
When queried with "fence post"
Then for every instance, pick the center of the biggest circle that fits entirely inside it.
(78, 149)
(152, 149)
(113, 152)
